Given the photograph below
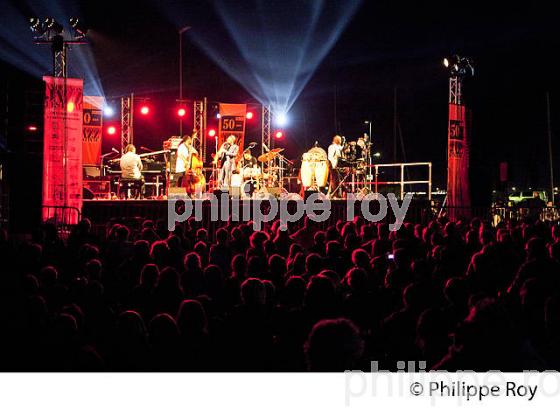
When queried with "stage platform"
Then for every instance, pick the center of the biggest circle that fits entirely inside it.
(102, 212)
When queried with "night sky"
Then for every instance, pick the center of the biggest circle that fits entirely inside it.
(386, 46)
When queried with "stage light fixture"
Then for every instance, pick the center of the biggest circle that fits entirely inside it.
(181, 112)
(80, 31)
(108, 111)
(459, 66)
(53, 25)
(144, 110)
(281, 119)
(279, 135)
(249, 115)
(212, 133)
(70, 106)
(218, 116)
(37, 28)
(32, 128)
(111, 130)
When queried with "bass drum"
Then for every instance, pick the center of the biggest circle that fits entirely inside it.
(322, 173)
(248, 188)
(236, 180)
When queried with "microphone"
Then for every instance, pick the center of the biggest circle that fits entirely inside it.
(116, 151)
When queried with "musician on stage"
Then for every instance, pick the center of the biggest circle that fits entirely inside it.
(334, 154)
(248, 160)
(185, 152)
(131, 168)
(227, 154)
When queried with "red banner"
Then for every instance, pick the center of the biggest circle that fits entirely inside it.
(458, 191)
(62, 152)
(92, 130)
(232, 121)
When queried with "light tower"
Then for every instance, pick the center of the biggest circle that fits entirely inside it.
(458, 200)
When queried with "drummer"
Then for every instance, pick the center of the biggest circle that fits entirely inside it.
(248, 160)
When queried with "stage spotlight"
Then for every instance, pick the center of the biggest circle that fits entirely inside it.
(181, 112)
(108, 111)
(144, 110)
(37, 27)
(53, 25)
(78, 27)
(111, 130)
(32, 128)
(279, 135)
(459, 66)
(281, 119)
(218, 116)
(70, 106)
(212, 133)
(249, 115)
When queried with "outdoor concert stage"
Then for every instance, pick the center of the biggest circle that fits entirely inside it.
(101, 212)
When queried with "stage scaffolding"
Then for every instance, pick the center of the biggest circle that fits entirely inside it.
(127, 121)
(199, 126)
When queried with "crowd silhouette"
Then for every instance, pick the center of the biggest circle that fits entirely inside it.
(455, 295)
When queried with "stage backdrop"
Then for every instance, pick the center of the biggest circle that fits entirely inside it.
(62, 152)
(458, 193)
(232, 121)
(93, 125)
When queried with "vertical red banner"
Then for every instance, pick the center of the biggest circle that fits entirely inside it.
(92, 130)
(232, 121)
(62, 152)
(458, 189)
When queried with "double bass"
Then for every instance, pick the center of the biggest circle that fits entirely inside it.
(194, 180)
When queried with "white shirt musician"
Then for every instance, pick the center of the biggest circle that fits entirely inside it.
(335, 151)
(131, 163)
(228, 152)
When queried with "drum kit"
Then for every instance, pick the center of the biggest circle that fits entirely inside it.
(252, 180)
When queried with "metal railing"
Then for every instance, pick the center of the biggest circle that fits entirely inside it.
(402, 182)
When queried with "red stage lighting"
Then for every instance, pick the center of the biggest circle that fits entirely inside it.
(212, 133)
(181, 112)
(144, 110)
(111, 130)
(249, 115)
(279, 135)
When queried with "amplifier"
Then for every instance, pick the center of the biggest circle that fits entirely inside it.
(97, 188)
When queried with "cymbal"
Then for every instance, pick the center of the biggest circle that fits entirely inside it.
(277, 150)
(269, 156)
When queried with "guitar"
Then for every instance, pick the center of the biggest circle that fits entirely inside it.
(220, 156)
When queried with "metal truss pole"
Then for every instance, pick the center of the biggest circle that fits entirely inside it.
(127, 121)
(199, 126)
(59, 62)
(266, 120)
(455, 96)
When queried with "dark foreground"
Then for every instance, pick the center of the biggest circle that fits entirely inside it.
(458, 296)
